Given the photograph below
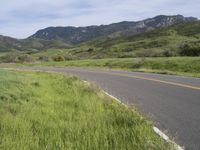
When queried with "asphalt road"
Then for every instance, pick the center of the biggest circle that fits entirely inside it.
(172, 102)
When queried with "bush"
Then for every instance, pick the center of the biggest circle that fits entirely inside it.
(43, 58)
(127, 49)
(139, 63)
(8, 58)
(90, 50)
(168, 53)
(148, 53)
(58, 58)
(69, 57)
(24, 58)
(190, 49)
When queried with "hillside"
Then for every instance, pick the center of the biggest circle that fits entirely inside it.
(180, 39)
(170, 41)
(10, 44)
(77, 35)
(62, 37)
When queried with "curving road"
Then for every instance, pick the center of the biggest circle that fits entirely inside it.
(172, 102)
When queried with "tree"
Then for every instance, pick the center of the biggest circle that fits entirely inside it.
(190, 49)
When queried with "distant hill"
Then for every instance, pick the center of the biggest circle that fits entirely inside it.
(154, 37)
(10, 44)
(77, 35)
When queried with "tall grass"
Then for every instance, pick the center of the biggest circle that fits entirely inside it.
(186, 66)
(47, 111)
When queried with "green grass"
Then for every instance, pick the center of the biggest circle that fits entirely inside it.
(184, 66)
(51, 111)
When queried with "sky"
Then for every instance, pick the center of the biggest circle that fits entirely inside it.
(22, 18)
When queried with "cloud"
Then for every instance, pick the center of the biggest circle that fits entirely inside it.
(21, 18)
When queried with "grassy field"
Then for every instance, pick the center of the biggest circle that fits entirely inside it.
(184, 66)
(51, 111)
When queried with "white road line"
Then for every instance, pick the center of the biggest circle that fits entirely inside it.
(166, 138)
(113, 97)
(156, 130)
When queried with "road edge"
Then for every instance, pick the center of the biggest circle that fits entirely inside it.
(156, 130)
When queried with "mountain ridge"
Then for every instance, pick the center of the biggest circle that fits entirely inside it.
(76, 35)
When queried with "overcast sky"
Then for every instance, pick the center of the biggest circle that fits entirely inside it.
(21, 18)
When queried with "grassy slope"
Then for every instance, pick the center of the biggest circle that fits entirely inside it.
(8, 44)
(186, 66)
(48, 111)
(161, 42)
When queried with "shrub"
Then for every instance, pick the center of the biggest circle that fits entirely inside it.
(90, 50)
(190, 49)
(148, 53)
(69, 57)
(127, 49)
(58, 58)
(168, 53)
(8, 58)
(24, 58)
(43, 58)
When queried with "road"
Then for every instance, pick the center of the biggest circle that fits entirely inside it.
(172, 102)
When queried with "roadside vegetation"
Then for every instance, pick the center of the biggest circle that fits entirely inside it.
(184, 66)
(51, 111)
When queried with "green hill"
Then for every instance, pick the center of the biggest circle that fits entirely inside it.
(176, 40)
(8, 44)
(77, 35)
(182, 39)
